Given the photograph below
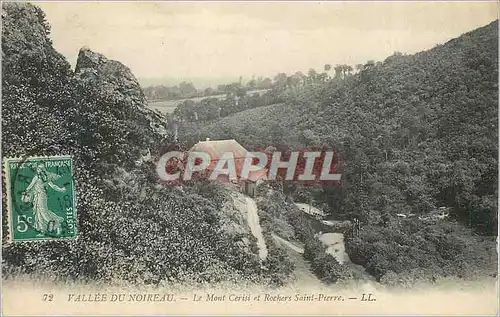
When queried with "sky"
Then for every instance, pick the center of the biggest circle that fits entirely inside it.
(202, 40)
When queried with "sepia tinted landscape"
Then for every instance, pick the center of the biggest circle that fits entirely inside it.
(415, 137)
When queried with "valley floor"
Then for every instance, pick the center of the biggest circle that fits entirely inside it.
(303, 294)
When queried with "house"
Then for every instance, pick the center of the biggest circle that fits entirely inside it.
(254, 179)
(216, 149)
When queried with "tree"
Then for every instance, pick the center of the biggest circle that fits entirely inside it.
(300, 78)
(208, 91)
(252, 84)
(280, 81)
(187, 89)
(312, 75)
(339, 71)
(267, 83)
(348, 70)
(295, 80)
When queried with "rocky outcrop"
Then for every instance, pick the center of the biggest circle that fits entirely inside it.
(118, 76)
(120, 84)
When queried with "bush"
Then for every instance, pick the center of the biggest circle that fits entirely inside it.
(313, 248)
(328, 269)
(441, 249)
(324, 265)
(277, 264)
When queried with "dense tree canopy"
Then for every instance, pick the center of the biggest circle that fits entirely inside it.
(415, 132)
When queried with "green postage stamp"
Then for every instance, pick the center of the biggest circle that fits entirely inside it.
(40, 198)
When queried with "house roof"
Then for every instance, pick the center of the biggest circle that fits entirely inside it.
(216, 150)
(257, 175)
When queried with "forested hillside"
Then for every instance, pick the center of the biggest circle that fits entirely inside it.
(427, 119)
(129, 229)
(414, 133)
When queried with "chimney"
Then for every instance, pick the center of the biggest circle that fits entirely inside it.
(208, 139)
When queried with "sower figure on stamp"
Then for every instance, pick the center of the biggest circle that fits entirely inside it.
(37, 189)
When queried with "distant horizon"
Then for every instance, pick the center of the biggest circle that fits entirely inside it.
(206, 82)
(213, 43)
(198, 82)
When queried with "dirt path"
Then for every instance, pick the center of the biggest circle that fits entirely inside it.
(334, 242)
(248, 207)
(288, 244)
(303, 277)
(255, 228)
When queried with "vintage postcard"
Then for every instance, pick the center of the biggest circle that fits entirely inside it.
(249, 158)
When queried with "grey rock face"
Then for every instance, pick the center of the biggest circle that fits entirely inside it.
(120, 84)
(117, 77)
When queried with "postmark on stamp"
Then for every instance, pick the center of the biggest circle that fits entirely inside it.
(41, 200)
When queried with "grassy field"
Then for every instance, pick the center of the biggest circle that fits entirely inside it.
(168, 106)
(165, 106)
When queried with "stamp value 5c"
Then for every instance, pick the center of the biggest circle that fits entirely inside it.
(40, 198)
